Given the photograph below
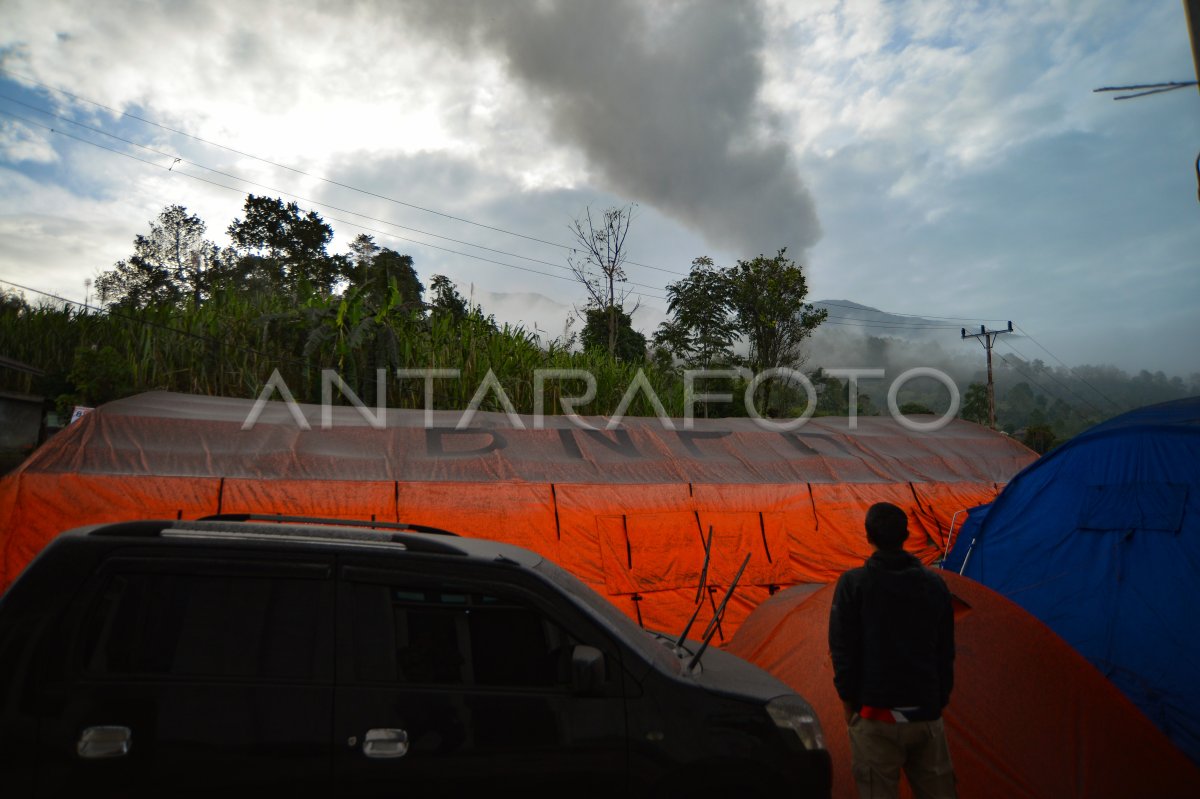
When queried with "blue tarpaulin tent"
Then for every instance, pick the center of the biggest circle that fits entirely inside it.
(1100, 539)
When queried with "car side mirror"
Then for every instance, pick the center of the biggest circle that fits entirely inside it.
(587, 671)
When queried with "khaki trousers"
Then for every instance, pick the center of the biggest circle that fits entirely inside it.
(880, 750)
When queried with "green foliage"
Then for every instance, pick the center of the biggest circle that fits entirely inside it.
(767, 298)
(99, 375)
(833, 396)
(1013, 412)
(11, 301)
(183, 316)
(1039, 438)
(761, 300)
(630, 345)
(379, 272)
(279, 231)
(975, 404)
(701, 330)
(282, 249)
(446, 299)
(229, 345)
(172, 264)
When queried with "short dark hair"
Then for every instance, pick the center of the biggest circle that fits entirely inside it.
(887, 526)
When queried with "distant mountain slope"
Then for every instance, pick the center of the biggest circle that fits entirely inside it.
(855, 335)
(873, 322)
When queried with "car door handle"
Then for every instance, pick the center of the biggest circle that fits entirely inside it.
(97, 743)
(385, 743)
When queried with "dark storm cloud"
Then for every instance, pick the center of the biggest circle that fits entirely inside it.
(662, 99)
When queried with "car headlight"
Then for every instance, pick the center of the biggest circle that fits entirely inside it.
(790, 712)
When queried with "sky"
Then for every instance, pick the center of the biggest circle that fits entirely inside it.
(944, 159)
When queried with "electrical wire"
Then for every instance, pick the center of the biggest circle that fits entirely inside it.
(1149, 88)
(180, 159)
(1028, 377)
(297, 362)
(332, 218)
(177, 159)
(1068, 368)
(1016, 368)
(150, 323)
(311, 175)
(847, 321)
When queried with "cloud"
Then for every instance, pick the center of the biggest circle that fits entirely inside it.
(19, 142)
(661, 100)
(962, 163)
(943, 88)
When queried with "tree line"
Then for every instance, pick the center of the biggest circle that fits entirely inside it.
(182, 313)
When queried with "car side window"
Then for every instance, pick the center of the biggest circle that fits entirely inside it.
(443, 635)
(208, 625)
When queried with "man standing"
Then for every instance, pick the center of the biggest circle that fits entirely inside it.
(891, 636)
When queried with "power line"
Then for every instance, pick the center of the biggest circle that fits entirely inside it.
(179, 159)
(333, 218)
(847, 321)
(1144, 89)
(302, 172)
(1023, 373)
(150, 323)
(1051, 375)
(273, 163)
(1030, 378)
(1068, 368)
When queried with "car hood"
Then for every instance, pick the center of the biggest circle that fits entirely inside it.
(725, 673)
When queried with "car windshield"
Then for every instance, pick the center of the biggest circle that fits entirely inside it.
(654, 647)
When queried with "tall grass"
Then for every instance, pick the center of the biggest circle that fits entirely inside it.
(231, 344)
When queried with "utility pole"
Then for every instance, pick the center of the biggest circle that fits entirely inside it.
(988, 338)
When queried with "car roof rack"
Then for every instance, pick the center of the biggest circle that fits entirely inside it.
(234, 530)
(278, 517)
(326, 532)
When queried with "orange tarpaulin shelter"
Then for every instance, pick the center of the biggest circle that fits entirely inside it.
(1029, 717)
(627, 510)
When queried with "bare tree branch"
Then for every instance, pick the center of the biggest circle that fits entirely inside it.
(598, 263)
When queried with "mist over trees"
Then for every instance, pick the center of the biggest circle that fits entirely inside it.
(1040, 404)
(183, 314)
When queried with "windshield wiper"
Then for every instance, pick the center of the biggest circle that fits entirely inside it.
(699, 589)
(713, 625)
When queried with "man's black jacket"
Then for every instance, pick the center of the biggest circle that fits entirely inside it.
(891, 635)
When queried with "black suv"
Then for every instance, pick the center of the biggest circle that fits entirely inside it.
(192, 657)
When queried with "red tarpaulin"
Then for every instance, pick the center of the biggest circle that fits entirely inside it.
(627, 510)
